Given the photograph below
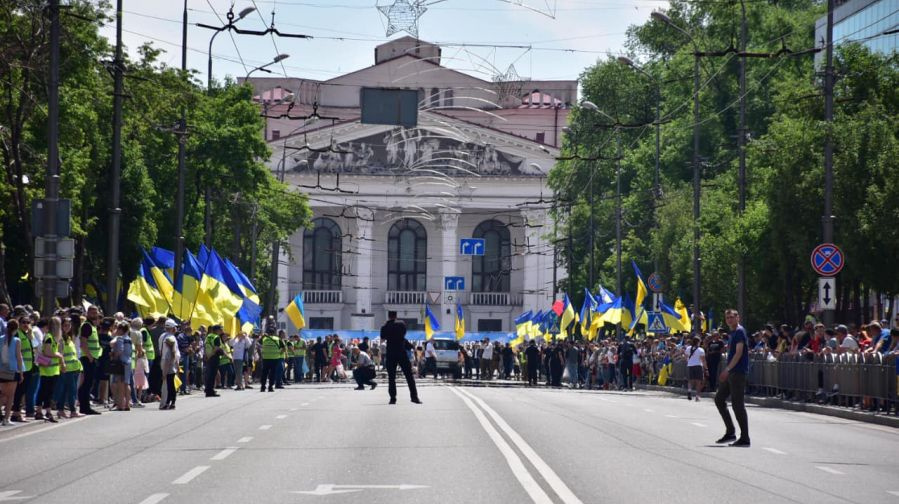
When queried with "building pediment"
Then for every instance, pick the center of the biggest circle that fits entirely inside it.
(439, 144)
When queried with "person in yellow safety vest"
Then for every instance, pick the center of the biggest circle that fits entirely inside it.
(212, 351)
(299, 346)
(272, 347)
(50, 366)
(67, 385)
(91, 351)
(28, 387)
(289, 355)
(226, 369)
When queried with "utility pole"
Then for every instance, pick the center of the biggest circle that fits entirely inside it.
(48, 296)
(592, 231)
(276, 246)
(741, 147)
(115, 213)
(697, 278)
(618, 282)
(182, 159)
(828, 142)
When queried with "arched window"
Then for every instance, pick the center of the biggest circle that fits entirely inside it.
(407, 261)
(491, 271)
(322, 255)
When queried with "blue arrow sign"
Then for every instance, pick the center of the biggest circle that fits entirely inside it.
(452, 283)
(471, 246)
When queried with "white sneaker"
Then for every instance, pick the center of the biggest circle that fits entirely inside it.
(697, 398)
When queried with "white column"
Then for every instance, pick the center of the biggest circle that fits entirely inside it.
(538, 260)
(284, 281)
(363, 270)
(449, 224)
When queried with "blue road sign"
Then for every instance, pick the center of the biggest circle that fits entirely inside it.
(827, 259)
(471, 246)
(656, 324)
(452, 283)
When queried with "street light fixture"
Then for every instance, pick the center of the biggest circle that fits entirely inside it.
(278, 59)
(240, 15)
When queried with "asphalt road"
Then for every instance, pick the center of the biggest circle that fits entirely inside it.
(329, 443)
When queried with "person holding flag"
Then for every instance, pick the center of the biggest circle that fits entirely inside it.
(460, 322)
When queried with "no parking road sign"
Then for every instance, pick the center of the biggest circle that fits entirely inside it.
(827, 259)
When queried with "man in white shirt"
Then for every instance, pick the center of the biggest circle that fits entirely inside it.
(847, 342)
(364, 370)
(430, 358)
(486, 361)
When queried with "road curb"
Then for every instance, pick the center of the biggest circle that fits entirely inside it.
(818, 409)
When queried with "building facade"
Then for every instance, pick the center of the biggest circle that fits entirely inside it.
(394, 208)
(862, 21)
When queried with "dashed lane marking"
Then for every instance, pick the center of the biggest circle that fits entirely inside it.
(245, 439)
(699, 424)
(830, 470)
(775, 451)
(280, 417)
(222, 455)
(265, 427)
(190, 475)
(155, 498)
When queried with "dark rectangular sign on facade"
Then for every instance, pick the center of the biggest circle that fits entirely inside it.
(395, 107)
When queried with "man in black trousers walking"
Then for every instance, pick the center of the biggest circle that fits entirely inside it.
(394, 333)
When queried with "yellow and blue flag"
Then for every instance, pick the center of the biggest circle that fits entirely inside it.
(296, 312)
(612, 311)
(522, 327)
(641, 286)
(142, 293)
(250, 313)
(431, 323)
(190, 301)
(569, 317)
(165, 259)
(533, 325)
(215, 282)
(604, 296)
(672, 318)
(684, 315)
(460, 322)
(587, 310)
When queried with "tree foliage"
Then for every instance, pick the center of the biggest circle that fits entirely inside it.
(786, 134)
(224, 146)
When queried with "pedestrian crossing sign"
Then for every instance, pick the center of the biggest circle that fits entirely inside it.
(656, 323)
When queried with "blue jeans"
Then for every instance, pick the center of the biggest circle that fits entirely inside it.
(64, 393)
(31, 392)
(185, 367)
(572, 374)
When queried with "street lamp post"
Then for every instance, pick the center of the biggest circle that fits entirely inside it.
(242, 14)
(264, 68)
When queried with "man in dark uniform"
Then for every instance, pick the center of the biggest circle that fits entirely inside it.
(532, 355)
(394, 333)
(213, 350)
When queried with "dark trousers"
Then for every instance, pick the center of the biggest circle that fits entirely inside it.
(154, 380)
(431, 366)
(170, 387)
(734, 387)
(209, 371)
(555, 370)
(45, 396)
(364, 376)
(279, 373)
(713, 372)
(29, 379)
(269, 372)
(403, 362)
(533, 372)
(88, 371)
(627, 376)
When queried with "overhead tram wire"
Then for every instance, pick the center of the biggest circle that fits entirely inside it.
(231, 36)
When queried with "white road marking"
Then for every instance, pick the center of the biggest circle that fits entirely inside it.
(829, 470)
(245, 439)
(670, 416)
(699, 424)
(265, 427)
(154, 499)
(9, 495)
(190, 475)
(893, 492)
(280, 417)
(649, 411)
(775, 451)
(45, 429)
(222, 455)
(305, 404)
(293, 409)
(331, 489)
(515, 464)
(550, 476)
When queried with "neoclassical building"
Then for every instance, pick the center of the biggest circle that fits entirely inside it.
(393, 205)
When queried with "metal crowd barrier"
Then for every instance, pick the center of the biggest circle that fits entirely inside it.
(847, 379)
(850, 379)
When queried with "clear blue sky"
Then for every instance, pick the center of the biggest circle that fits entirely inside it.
(582, 25)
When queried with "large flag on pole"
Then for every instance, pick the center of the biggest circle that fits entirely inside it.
(296, 312)
(568, 317)
(431, 323)
(641, 287)
(460, 322)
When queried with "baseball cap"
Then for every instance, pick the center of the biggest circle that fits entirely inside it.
(842, 329)
(170, 323)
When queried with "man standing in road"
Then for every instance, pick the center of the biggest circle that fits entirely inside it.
(213, 350)
(626, 351)
(713, 359)
(430, 359)
(394, 333)
(733, 382)
(532, 356)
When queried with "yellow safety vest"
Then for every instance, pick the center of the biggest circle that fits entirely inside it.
(93, 342)
(27, 351)
(70, 355)
(53, 368)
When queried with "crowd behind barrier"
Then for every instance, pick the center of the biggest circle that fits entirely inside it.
(79, 359)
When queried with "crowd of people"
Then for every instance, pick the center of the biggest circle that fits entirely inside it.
(77, 361)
